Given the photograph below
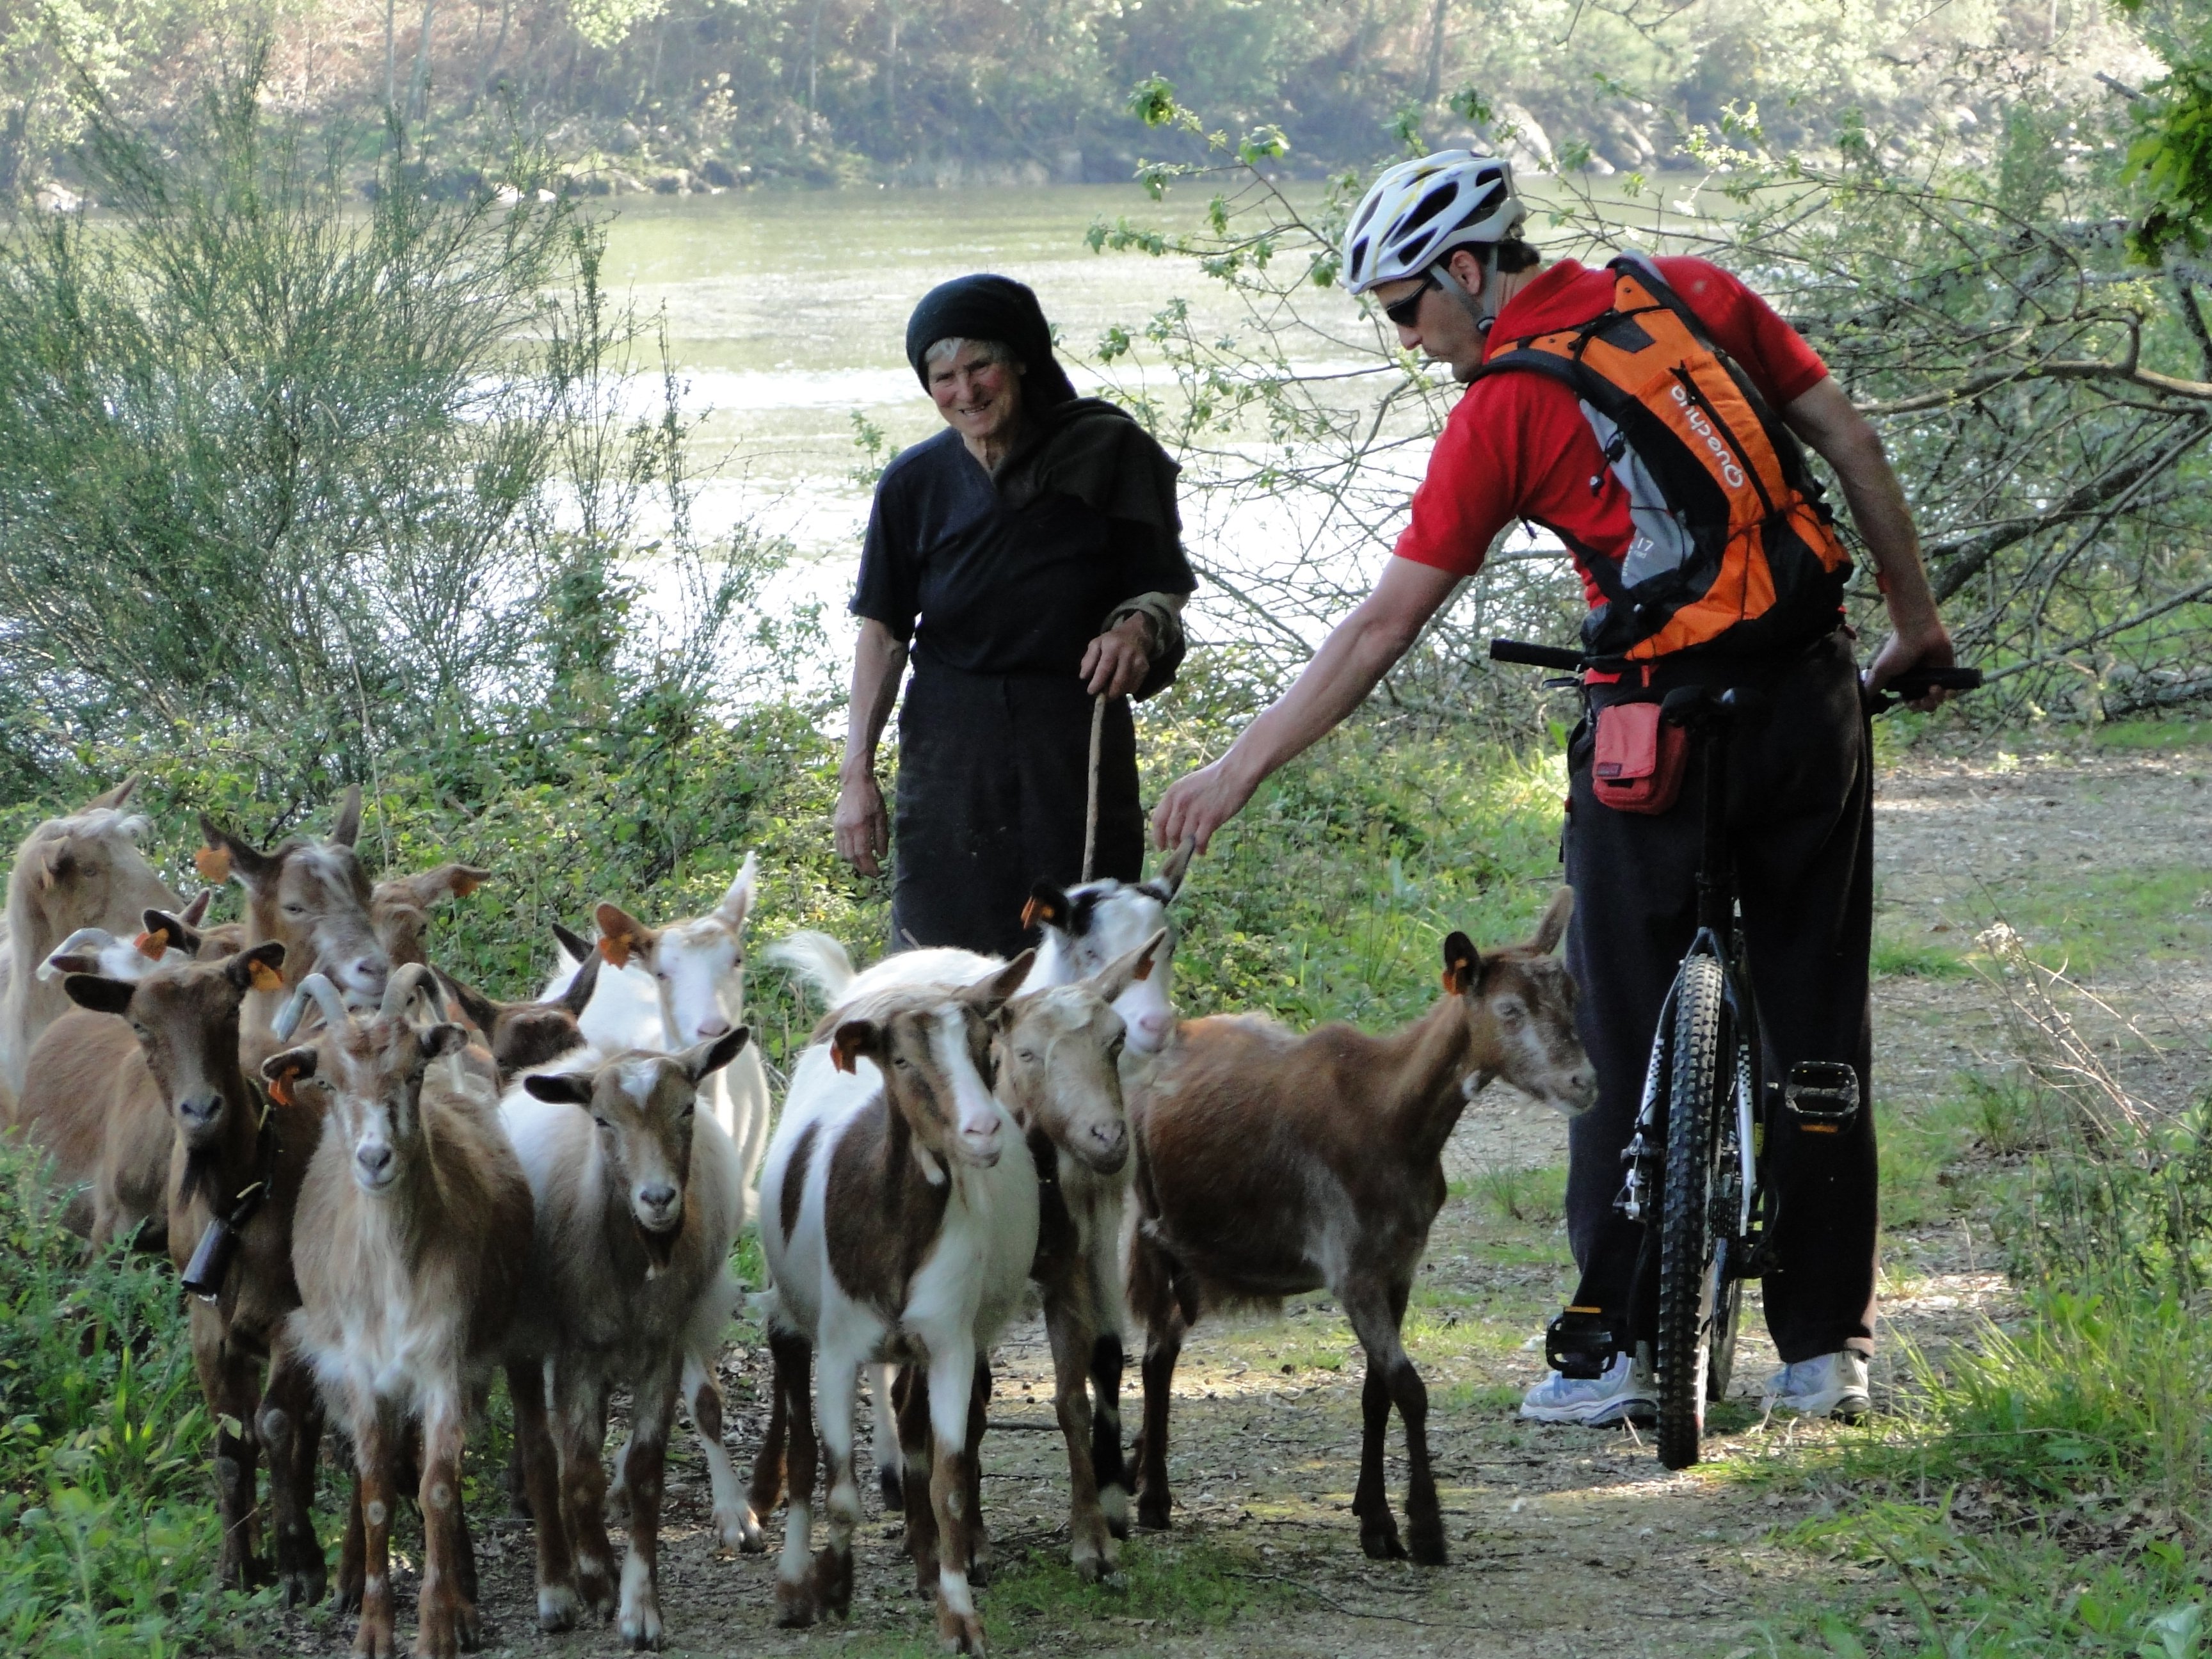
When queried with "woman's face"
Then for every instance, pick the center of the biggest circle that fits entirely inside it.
(980, 398)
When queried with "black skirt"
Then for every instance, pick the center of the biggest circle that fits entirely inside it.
(992, 781)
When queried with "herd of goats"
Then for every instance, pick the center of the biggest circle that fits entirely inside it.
(380, 1186)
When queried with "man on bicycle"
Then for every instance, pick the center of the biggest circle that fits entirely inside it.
(1436, 241)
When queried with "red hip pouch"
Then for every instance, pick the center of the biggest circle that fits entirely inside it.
(1640, 758)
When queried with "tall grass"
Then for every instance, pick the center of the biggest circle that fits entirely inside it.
(108, 1528)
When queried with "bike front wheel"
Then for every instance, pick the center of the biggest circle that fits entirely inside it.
(1697, 1095)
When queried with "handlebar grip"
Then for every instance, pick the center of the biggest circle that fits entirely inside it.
(1537, 656)
(1919, 683)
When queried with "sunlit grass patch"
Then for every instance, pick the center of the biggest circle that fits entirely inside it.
(2105, 915)
(1536, 1198)
(1897, 959)
(1177, 1583)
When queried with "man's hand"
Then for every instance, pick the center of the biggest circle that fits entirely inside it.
(864, 828)
(1903, 652)
(1200, 804)
(1118, 659)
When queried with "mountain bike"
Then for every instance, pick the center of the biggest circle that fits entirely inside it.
(1695, 1164)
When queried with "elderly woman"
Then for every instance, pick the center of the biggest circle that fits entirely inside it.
(1030, 558)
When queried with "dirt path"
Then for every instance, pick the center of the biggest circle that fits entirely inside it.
(1566, 1541)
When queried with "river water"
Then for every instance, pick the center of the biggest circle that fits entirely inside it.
(786, 315)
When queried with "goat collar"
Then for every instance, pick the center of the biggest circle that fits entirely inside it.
(210, 1264)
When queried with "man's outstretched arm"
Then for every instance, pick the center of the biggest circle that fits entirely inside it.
(1358, 653)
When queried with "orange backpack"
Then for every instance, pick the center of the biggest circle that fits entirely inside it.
(1732, 550)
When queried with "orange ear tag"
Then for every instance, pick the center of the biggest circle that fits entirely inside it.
(213, 863)
(280, 1090)
(264, 977)
(152, 944)
(1030, 910)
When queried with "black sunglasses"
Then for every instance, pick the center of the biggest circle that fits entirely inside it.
(1404, 312)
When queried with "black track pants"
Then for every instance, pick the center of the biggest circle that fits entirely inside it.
(1800, 814)
(993, 779)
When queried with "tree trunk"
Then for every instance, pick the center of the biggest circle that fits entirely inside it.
(1433, 82)
(813, 33)
(498, 45)
(391, 69)
(418, 84)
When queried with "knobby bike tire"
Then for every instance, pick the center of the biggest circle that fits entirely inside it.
(1686, 1236)
(1728, 1283)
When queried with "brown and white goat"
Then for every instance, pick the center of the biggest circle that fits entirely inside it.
(1058, 1073)
(1270, 1163)
(236, 1163)
(899, 1219)
(83, 869)
(312, 896)
(399, 907)
(410, 1269)
(638, 1198)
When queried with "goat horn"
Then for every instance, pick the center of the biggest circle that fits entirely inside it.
(289, 1016)
(95, 936)
(334, 1014)
(403, 986)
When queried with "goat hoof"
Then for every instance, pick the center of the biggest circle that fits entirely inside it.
(345, 1599)
(303, 1586)
(959, 1633)
(1382, 1545)
(750, 1538)
(617, 1509)
(374, 1640)
(1428, 1546)
(794, 1606)
(1151, 1516)
(557, 1607)
(641, 1628)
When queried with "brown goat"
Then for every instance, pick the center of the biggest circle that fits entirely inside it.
(1270, 1163)
(408, 1277)
(235, 1164)
(313, 897)
(399, 907)
(523, 1036)
(80, 871)
(92, 1103)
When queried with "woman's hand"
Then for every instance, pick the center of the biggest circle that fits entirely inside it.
(864, 828)
(1118, 659)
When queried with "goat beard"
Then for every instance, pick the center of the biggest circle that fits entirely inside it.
(659, 1246)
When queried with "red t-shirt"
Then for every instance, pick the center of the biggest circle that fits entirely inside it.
(1516, 447)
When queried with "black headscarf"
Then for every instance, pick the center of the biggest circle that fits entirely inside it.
(987, 307)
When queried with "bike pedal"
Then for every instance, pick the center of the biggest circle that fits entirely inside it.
(1580, 1343)
(1822, 1095)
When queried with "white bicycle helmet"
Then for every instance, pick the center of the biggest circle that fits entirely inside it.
(1419, 211)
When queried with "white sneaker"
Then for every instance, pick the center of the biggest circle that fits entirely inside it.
(1834, 1385)
(1624, 1390)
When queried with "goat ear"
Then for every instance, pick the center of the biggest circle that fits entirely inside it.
(226, 858)
(282, 1071)
(1124, 971)
(854, 1039)
(1048, 906)
(443, 1038)
(1462, 964)
(573, 942)
(1553, 926)
(567, 1088)
(101, 994)
(69, 962)
(987, 996)
(480, 1010)
(582, 983)
(446, 881)
(623, 935)
(737, 903)
(56, 859)
(196, 913)
(257, 970)
(1168, 882)
(111, 797)
(345, 829)
(703, 1060)
(167, 932)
